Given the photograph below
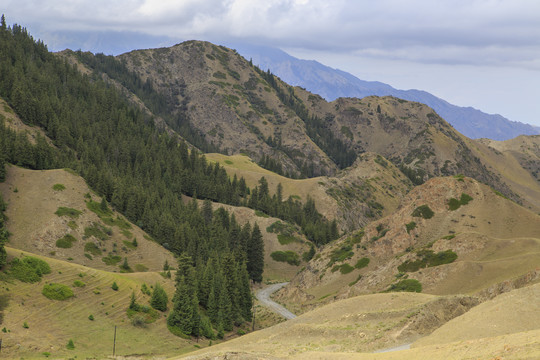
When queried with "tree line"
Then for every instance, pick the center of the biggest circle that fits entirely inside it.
(143, 172)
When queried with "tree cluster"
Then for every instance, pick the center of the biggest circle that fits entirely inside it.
(317, 129)
(144, 173)
(313, 224)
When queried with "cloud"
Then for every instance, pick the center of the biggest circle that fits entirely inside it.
(501, 32)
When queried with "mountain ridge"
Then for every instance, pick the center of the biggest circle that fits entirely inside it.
(334, 83)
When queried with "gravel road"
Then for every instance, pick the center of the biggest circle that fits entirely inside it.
(397, 348)
(263, 296)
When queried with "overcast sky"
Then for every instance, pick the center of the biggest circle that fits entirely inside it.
(480, 53)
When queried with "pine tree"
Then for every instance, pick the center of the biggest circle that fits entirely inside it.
(182, 312)
(245, 292)
(159, 298)
(2, 168)
(255, 255)
(225, 315)
(103, 206)
(207, 211)
(212, 308)
(133, 302)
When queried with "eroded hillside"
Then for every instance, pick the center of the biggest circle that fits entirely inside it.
(443, 231)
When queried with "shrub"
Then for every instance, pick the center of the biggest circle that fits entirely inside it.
(29, 269)
(120, 222)
(290, 257)
(355, 281)
(111, 259)
(98, 231)
(25, 325)
(343, 253)
(92, 248)
(410, 226)
(454, 204)
(138, 321)
(70, 345)
(114, 286)
(410, 285)
(70, 212)
(465, 199)
(91, 317)
(427, 258)
(346, 268)
(58, 187)
(79, 283)
(362, 263)
(57, 291)
(98, 209)
(141, 268)
(66, 242)
(129, 244)
(259, 213)
(286, 239)
(145, 289)
(308, 255)
(423, 211)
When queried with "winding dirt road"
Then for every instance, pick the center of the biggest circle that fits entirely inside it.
(263, 296)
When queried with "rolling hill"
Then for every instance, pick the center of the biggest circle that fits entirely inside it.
(353, 328)
(493, 238)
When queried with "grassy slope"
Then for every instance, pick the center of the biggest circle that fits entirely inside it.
(52, 323)
(367, 180)
(495, 240)
(351, 328)
(512, 312)
(362, 323)
(505, 160)
(35, 227)
(243, 166)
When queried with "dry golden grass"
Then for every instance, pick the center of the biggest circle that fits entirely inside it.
(243, 166)
(363, 323)
(512, 312)
(52, 323)
(35, 227)
(504, 328)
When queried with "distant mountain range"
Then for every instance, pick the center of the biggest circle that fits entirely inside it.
(333, 83)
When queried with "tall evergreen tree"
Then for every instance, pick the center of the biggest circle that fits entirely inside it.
(181, 315)
(159, 298)
(255, 254)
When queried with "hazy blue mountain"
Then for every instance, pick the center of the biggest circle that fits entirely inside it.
(333, 83)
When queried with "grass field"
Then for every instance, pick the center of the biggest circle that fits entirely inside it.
(52, 323)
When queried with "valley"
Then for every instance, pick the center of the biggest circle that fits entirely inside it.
(160, 196)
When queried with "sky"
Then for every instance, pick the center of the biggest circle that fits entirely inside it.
(479, 53)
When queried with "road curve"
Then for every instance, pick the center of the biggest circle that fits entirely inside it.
(396, 348)
(263, 296)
